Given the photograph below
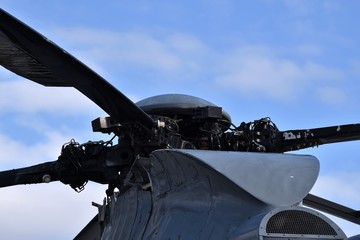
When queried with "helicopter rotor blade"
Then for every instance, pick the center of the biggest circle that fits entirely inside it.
(41, 173)
(305, 138)
(332, 208)
(31, 55)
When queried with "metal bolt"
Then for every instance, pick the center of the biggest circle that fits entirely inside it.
(46, 178)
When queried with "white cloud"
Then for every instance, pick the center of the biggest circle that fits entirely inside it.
(184, 42)
(10, 153)
(257, 74)
(19, 154)
(331, 6)
(121, 48)
(306, 8)
(248, 69)
(332, 95)
(275, 77)
(47, 209)
(299, 7)
(355, 67)
(162, 53)
(309, 50)
(339, 186)
(28, 97)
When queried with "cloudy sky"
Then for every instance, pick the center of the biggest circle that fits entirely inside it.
(297, 62)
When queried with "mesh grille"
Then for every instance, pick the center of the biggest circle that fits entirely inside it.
(298, 222)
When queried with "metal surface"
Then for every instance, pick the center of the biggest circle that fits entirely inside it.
(175, 104)
(276, 179)
(189, 200)
(192, 200)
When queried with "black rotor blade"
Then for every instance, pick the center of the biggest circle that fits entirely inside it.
(305, 138)
(41, 173)
(332, 208)
(31, 55)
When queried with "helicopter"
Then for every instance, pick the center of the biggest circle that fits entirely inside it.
(179, 167)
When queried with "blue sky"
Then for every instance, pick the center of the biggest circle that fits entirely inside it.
(297, 62)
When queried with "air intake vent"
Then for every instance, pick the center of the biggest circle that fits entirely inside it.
(298, 223)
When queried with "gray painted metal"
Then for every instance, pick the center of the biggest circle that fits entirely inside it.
(198, 195)
(129, 214)
(175, 103)
(275, 179)
(189, 200)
